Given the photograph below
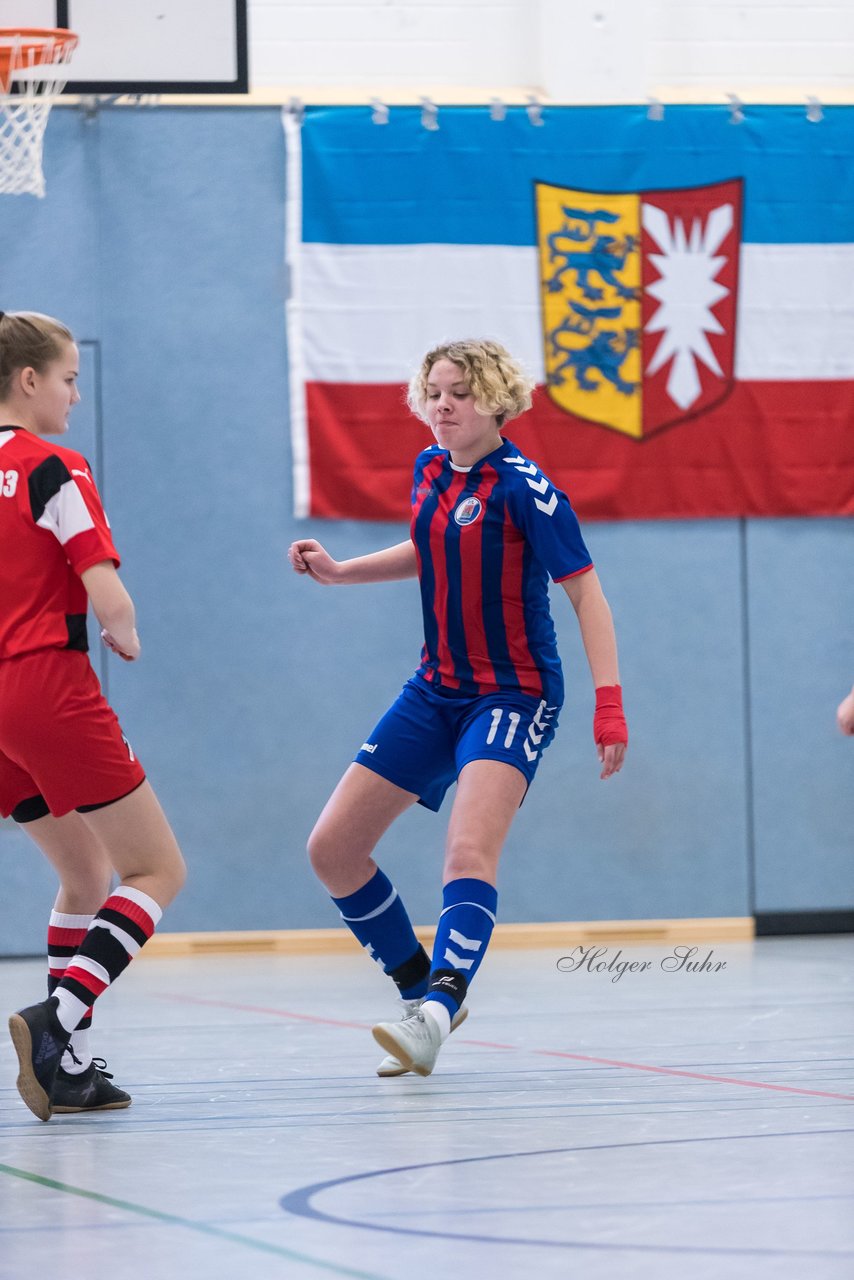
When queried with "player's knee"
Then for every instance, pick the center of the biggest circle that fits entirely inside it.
(168, 873)
(332, 853)
(91, 883)
(466, 858)
(166, 882)
(177, 873)
(322, 853)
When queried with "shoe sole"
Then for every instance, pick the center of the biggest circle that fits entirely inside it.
(391, 1072)
(28, 1086)
(104, 1106)
(387, 1041)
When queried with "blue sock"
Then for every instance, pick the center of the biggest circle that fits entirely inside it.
(462, 936)
(378, 919)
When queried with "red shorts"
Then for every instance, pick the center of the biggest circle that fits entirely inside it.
(59, 737)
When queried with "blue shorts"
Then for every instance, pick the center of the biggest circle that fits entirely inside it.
(427, 736)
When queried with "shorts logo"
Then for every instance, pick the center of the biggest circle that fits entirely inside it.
(468, 511)
(370, 747)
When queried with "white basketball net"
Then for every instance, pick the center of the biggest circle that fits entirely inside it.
(33, 72)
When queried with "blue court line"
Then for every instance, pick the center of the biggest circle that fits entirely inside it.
(299, 1202)
(173, 1220)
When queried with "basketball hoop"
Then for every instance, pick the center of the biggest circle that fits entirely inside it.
(33, 73)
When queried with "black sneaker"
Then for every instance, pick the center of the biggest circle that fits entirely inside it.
(89, 1091)
(40, 1041)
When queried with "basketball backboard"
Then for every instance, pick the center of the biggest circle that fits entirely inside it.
(147, 46)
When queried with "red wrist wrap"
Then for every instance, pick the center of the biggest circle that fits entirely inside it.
(609, 723)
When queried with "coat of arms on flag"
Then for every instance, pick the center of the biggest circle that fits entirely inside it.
(639, 294)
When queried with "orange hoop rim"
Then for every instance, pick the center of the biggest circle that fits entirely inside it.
(24, 50)
(57, 39)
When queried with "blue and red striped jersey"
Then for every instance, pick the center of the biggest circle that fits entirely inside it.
(488, 538)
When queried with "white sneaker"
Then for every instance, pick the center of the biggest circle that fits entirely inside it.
(391, 1065)
(415, 1042)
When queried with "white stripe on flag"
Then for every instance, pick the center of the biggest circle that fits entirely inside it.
(294, 262)
(369, 312)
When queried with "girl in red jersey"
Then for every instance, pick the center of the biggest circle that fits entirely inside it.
(488, 530)
(67, 773)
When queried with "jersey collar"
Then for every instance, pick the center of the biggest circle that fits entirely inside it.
(489, 457)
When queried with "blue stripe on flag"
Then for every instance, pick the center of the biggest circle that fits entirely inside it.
(471, 180)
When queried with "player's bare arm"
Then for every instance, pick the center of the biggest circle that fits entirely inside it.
(392, 564)
(600, 645)
(113, 608)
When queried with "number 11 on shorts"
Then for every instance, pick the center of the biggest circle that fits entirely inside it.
(513, 716)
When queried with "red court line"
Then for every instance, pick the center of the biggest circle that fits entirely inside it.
(547, 1053)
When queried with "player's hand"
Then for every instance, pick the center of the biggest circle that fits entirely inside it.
(845, 715)
(609, 729)
(308, 556)
(611, 758)
(129, 652)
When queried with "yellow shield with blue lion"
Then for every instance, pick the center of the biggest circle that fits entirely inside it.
(638, 295)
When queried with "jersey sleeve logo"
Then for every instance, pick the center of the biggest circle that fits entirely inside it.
(540, 485)
(468, 510)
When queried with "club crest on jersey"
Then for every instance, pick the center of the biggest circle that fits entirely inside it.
(468, 511)
(639, 295)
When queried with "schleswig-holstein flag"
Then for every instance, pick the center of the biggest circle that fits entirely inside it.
(681, 289)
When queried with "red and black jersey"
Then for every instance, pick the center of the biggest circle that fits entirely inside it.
(52, 528)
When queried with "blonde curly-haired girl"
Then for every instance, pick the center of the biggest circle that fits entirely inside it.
(488, 530)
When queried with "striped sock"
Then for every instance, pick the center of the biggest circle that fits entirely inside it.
(65, 933)
(124, 924)
(378, 919)
(462, 936)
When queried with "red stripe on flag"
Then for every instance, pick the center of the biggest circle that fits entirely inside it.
(362, 445)
(471, 574)
(769, 449)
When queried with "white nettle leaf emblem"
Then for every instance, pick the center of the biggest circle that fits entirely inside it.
(686, 291)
